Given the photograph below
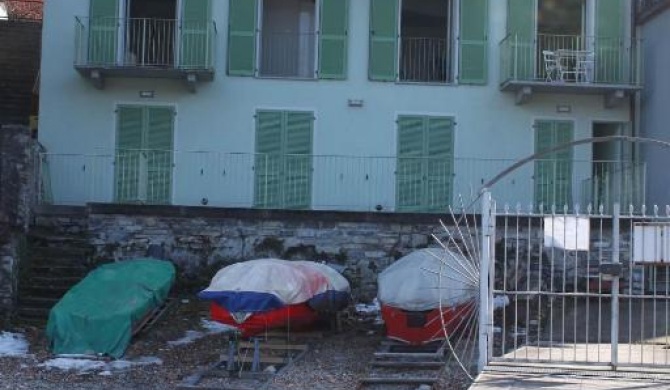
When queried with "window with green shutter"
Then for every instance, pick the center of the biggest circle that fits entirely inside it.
(285, 41)
(144, 154)
(196, 49)
(553, 172)
(473, 42)
(425, 163)
(609, 45)
(383, 40)
(521, 26)
(283, 166)
(103, 32)
(242, 24)
(333, 39)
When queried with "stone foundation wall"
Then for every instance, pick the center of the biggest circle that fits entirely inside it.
(18, 197)
(202, 240)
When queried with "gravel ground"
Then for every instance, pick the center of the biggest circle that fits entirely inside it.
(336, 361)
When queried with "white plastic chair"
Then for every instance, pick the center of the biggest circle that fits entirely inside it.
(585, 66)
(552, 67)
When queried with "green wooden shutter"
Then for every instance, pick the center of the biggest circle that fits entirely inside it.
(242, 37)
(130, 121)
(439, 163)
(544, 139)
(553, 172)
(103, 32)
(410, 163)
(521, 22)
(473, 42)
(297, 182)
(333, 39)
(383, 40)
(563, 166)
(159, 154)
(610, 50)
(269, 164)
(196, 25)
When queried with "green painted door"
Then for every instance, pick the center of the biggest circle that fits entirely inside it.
(159, 159)
(553, 172)
(333, 39)
(424, 167)
(611, 59)
(130, 121)
(298, 163)
(473, 42)
(242, 21)
(521, 26)
(144, 154)
(196, 25)
(283, 167)
(383, 40)
(103, 32)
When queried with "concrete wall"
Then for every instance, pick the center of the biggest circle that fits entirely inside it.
(20, 45)
(18, 194)
(220, 118)
(655, 116)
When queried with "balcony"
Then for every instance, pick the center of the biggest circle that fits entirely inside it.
(330, 182)
(288, 55)
(424, 60)
(571, 64)
(646, 10)
(145, 48)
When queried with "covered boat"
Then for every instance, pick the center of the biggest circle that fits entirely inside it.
(412, 289)
(98, 314)
(257, 295)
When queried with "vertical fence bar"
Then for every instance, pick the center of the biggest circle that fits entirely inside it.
(484, 322)
(616, 214)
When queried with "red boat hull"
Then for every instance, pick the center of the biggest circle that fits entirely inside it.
(418, 328)
(294, 316)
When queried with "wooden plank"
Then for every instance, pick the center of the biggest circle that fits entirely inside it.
(263, 359)
(273, 346)
(402, 364)
(406, 380)
(419, 355)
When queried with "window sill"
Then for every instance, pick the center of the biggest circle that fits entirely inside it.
(427, 83)
(286, 78)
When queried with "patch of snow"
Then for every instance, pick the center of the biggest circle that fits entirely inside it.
(210, 327)
(13, 345)
(84, 366)
(372, 308)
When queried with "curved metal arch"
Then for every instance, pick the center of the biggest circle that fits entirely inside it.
(593, 140)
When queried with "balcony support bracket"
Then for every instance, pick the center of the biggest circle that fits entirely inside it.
(191, 82)
(615, 99)
(523, 95)
(97, 79)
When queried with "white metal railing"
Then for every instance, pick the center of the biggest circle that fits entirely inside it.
(424, 59)
(327, 182)
(289, 54)
(571, 59)
(144, 42)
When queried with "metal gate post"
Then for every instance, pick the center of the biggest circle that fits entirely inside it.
(615, 286)
(484, 266)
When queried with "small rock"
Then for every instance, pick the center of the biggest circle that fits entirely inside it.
(271, 369)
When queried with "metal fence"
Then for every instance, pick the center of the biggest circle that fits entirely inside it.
(145, 42)
(583, 286)
(424, 59)
(288, 54)
(571, 59)
(327, 182)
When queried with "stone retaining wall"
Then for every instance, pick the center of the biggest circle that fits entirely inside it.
(18, 197)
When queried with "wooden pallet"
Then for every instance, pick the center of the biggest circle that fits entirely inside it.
(397, 364)
(272, 352)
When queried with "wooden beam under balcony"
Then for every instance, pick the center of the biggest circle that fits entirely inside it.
(524, 90)
(99, 74)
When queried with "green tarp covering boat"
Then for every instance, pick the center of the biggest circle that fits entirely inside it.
(97, 315)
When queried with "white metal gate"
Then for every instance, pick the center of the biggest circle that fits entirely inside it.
(575, 286)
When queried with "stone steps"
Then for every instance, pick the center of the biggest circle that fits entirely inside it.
(55, 262)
